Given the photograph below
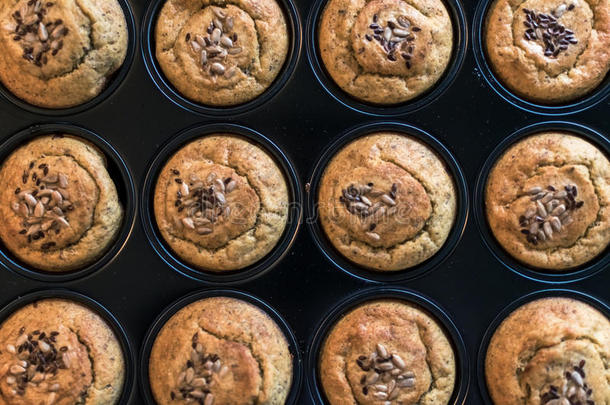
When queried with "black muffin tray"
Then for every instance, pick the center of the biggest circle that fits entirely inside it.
(468, 118)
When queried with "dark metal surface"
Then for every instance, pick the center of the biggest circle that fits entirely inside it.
(469, 118)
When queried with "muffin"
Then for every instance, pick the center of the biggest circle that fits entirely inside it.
(62, 53)
(221, 203)
(549, 51)
(387, 202)
(221, 53)
(385, 51)
(547, 200)
(550, 351)
(59, 206)
(220, 351)
(390, 352)
(56, 351)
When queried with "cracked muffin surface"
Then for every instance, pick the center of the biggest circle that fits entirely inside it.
(59, 352)
(550, 351)
(60, 53)
(385, 51)
(390, 352)
(387, 202)
(547, 200)
(59, 206)
(220, 351)
(221, 52)
(549, 51)
(221, 203)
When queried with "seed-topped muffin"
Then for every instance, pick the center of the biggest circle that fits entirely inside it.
(387, 352)
(59, 206)
(385, 51)
(221, 53)
(60, 53)
(220, 351)
(552, 351)
(221, 203)
(549, 51)
(57, 351)
(387, 202)
(547, 201)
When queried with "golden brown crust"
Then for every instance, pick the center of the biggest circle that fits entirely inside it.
(355, 57)
(74, 65)
(558, 160)
(249, 62)
(404, 331)
(254, 362)
(521, 63)
(91, 367)
(89, 215)
(539, 342)
(390, 235)
(229, 235)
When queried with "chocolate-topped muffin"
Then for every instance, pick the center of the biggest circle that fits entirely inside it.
(552, 351)
(59, 352)
(59, 206)
(221, 53)
(387, 202)
(221, 203)
(59, 54)
(549, 51)
(547, 201)
(387, 352)
(220, 351)
(385, 51)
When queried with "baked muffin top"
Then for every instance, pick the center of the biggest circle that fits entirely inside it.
(547, 201)
(59, 206)
(221, 53)
(385, 51)
(220, 351)
(56, 351)
(386, 201)
(221, 203)
(550, 351)
(549, 51)
(387, 351)
(60, 53)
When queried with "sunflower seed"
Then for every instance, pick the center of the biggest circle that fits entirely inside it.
(559, 210)
(534, 190)
(188, 222)
(406, 383)
(381, 350)
(388, 200)
(372, 378)
(15, 369)
(217, 68)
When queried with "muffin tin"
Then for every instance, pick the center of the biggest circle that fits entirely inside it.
(301, 121)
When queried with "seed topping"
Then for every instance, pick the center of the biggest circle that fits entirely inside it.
(202, 203)
(196, 380)
(385, 374)
(574, 390)
(369, 204)
(38, 34)
(43, 204)
(545, 28)
(36, 362)
(395, 37)
(549, 213)
(213, 47)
